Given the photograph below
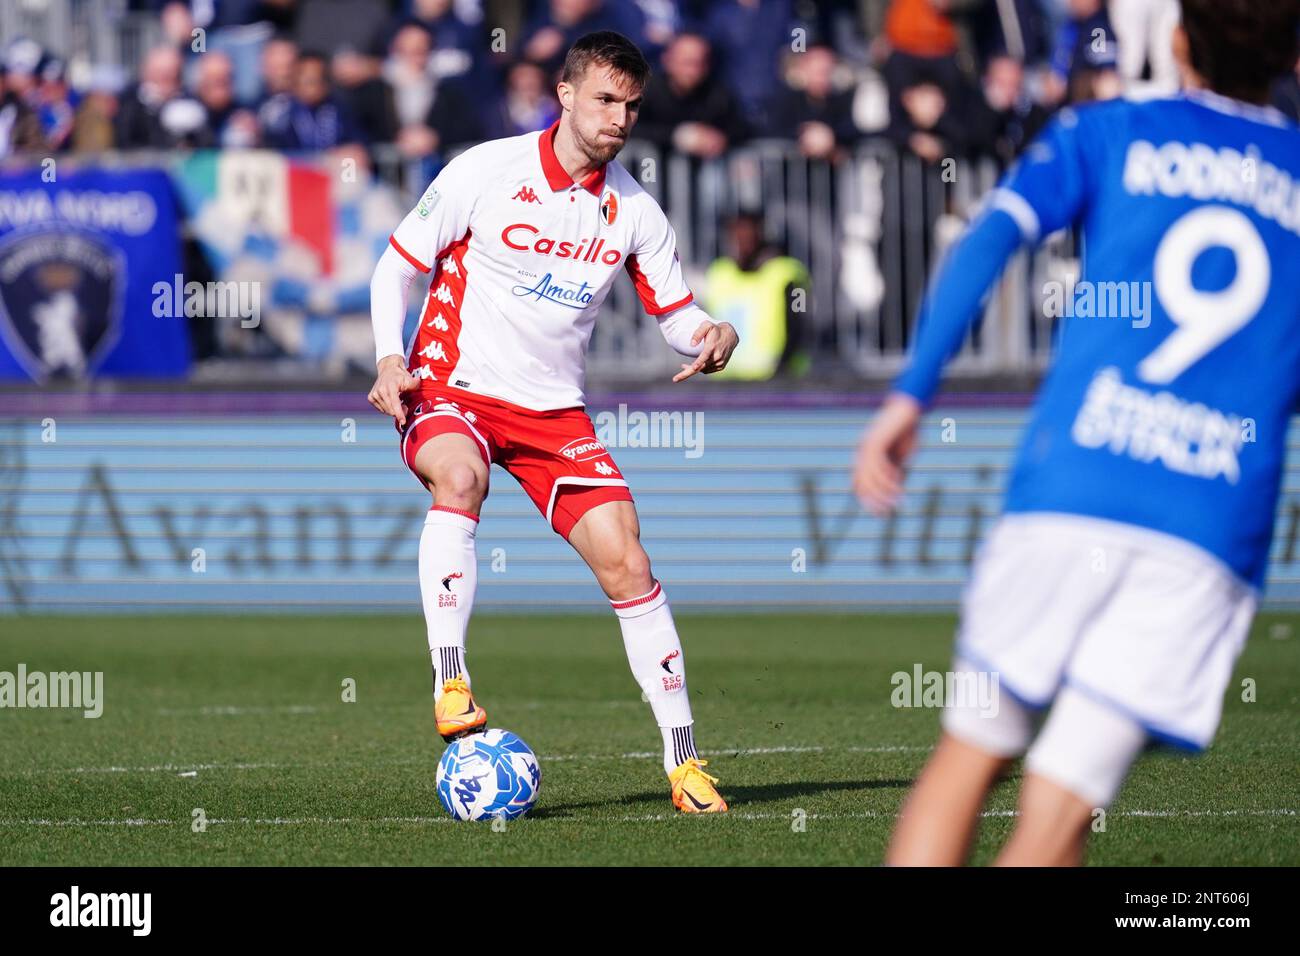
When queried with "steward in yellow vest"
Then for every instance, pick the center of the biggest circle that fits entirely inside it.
(765, 295)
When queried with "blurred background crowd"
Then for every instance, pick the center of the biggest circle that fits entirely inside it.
(939, 77)
(407, 82)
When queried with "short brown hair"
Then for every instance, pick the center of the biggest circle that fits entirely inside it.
(1241, 46)
(606, 48)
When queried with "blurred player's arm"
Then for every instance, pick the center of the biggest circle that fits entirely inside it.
(1044, 192)
(656, 273)
(440, 218)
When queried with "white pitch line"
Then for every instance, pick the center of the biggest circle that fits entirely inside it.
(233, 711)
(640, 818)
(187, 769)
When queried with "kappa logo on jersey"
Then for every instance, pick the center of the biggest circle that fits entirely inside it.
(668, 660)
(609, 209)
(434, 351)
(583, 449)
(589, 249)
(425, 373)
(526, 194)
(604, 468)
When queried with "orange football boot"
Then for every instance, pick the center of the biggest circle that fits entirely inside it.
(693, 790)
(456, 712)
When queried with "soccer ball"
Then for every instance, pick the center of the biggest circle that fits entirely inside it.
(490, 774)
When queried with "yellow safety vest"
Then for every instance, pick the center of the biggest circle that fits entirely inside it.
(755, 303)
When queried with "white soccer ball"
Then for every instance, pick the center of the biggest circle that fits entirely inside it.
(489, 774)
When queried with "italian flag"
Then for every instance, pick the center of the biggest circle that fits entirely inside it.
(264, 192)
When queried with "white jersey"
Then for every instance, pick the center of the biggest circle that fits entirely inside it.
(522, 258)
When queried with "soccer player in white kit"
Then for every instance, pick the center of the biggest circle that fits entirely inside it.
(524, 237)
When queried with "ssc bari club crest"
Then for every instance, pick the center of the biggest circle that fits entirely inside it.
(60, 300)
(609, 209)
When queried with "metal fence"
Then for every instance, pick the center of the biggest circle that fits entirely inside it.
(869, 229)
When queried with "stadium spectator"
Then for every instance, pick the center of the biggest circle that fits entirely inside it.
(661, 21)
(364, 94)
(931, 114)
(430, 114)
(812, 111)
(560, 22)
(20, 127)
(227, 123)
(311, 117)
(1011, 117)
(279, 56)
(93, 128)
(528, 103)
(178, 26)
(56, 103)
(156, 113)
(22, 61)
(459, 50)
(1086, 57)
(921, 70)
(748, 38)
(685, 108)
(764, 295)
(951, 30)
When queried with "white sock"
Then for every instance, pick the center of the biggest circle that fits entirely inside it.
(448, 577)
(655, 655)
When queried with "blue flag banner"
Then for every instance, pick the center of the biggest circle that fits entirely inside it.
(79, 259)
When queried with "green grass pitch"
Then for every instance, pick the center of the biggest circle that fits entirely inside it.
(243, 718)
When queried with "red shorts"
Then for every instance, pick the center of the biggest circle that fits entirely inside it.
(555, 455)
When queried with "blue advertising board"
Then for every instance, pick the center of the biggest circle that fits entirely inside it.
(740, 511)
(80, 257)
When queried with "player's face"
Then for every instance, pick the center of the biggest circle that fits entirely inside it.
(605, 108)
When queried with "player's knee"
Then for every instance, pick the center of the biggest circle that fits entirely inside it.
(626, 572)
(460, 484)
(636, 565)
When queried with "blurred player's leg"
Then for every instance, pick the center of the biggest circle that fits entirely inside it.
(453, 468)
(1076, 766)
(608, 539)
(940, 816)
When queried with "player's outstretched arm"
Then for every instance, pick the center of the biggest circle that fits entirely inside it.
(882, 457)
(951, 305)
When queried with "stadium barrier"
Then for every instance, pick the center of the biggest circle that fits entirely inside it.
(300, 502)
(869, 229)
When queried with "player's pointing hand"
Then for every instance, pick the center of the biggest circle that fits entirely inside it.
(720, 340)
(392, 381)
(886, 446)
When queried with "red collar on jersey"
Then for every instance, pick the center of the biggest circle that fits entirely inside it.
(555, 173)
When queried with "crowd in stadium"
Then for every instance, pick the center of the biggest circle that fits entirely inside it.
(938, 77)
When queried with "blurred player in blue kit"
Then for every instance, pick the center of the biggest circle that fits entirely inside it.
(1116, 592)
